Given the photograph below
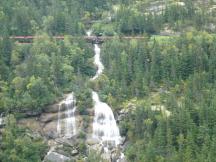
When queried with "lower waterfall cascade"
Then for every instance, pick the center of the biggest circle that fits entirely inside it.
(104, 125)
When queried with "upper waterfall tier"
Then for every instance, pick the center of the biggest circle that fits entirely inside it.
(97, 62)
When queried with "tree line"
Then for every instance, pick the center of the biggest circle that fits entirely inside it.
(178, 74)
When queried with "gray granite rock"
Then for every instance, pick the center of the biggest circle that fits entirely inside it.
(56, 157)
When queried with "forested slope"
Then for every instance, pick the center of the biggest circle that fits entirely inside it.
(178, 77)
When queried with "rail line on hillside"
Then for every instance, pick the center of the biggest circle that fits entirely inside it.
(90, 39)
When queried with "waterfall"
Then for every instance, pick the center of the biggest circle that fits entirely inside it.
(1, 119)
(104, 125)
(89, 32)
(105, 128)
(59, 120)
(66, 127)
(97, 62)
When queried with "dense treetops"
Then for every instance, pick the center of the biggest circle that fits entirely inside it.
(18, 146)
(22, 17)
(34, 75)
(178, 74)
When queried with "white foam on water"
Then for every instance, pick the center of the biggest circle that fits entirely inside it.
(67, 127)
(104, 125)
(97, 62)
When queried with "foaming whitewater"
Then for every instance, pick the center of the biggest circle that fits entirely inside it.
(66, 127)
(105, 128)
(89, 32)
(1, 119)
(104, 125)
(97, 62)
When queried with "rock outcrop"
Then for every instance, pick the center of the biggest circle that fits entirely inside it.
(56, 157)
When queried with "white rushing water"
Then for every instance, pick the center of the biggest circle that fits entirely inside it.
(1, 119)
(105, 128)
(89, 32)
(97, 62)
(66, 127)
(104, 125)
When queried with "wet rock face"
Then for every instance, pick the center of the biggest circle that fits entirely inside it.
(49, 130)
(51, 113)
(69, 148)
(46, 122)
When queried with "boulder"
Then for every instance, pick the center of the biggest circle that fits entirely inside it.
(92, 141)
(51, 135)
(67, 142)
(62, 151)
(74, 152)
(56, 157)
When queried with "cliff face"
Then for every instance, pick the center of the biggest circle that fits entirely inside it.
(45, 124)
(63, 149)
